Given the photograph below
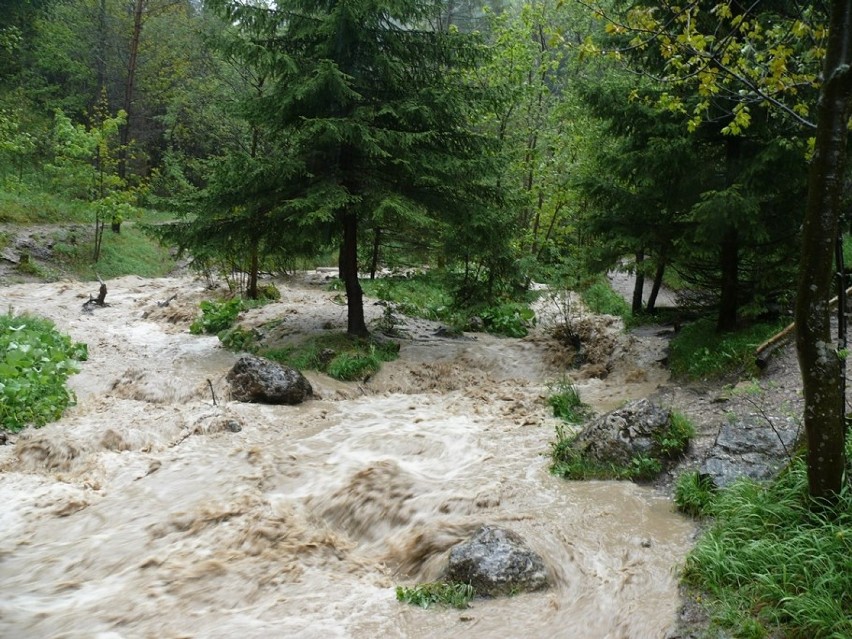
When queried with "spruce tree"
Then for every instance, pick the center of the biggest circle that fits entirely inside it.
(373, 111)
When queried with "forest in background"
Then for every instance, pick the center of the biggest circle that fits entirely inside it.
(565, 148)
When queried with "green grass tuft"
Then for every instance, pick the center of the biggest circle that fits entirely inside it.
(456, 595)
(694, 494)
(565, 401)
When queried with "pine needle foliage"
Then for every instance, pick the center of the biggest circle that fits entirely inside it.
(368, 112)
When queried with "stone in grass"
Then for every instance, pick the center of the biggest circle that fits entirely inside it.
(255, 379)
(625, 433)
(751, 447)
(496, 561)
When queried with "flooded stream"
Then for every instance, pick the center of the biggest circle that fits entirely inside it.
(150, 511)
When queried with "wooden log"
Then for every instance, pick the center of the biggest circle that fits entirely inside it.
(763, 352)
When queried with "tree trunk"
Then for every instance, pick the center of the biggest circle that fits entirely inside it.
(254, 267)
(818, 359)
(356, 325)
(377, 243)
(655, 289)
(639, 284)
(129, 85)
(729, 263)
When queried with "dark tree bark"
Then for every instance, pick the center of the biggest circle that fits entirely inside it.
(655, 288)
(729, 263)
(130, 85)
(377, 244)
(356, 326)
(254, 267)
(639, 283)
(818, 359)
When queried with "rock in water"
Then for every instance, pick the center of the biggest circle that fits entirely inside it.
(619, 436)
(255, 379)
(496, 562)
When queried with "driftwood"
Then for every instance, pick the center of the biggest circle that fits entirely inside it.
(92, 302)
(168, 301)
(763, 352)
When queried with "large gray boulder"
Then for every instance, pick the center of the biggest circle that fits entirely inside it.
(255, 379)
(624, 433)
(750, 447)
(496, 561)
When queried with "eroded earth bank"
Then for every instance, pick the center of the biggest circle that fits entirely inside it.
(150, 511)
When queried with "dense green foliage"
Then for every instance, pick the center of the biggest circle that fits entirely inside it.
(437, 592)
(216, 316)
(773, 563)
(36, 362)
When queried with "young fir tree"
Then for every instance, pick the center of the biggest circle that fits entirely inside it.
(372, 112)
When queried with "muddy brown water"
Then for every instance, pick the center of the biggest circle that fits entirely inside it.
(142, 514)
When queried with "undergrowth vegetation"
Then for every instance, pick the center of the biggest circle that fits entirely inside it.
(36, 362)
(456, 595)
(774, 563)
(699, 352)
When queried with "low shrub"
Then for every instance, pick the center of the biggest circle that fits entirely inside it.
(510, 320)
(443, 593)
(216, 316)
(35, 364)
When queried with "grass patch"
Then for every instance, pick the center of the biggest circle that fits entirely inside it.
(32, 207)
(36, 362)
(131, 252)
(699, 352)
(694, 494)
(565, 401)
(441, 593)
(569, 462)
(772, 564)
(336, 354)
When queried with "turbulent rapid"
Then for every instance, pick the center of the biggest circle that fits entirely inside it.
(151, 510)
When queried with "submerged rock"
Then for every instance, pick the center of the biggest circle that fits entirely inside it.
(624, 433)
(496, 561)
(255, 379)
(750, 447)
